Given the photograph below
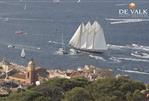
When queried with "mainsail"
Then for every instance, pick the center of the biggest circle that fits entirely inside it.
(99, 39)
(89, 37)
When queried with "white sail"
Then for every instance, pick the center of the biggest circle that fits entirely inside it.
(75, 40)
(89, 38)
(99, 42)
(23, 53)
(83, 36)
(89, 31)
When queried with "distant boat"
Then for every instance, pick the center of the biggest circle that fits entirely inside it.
(78, 1)
(61, 50)
(140, 54)
(25, 7)
(89, 38)
(11, 46)
(19, 32)
(38, 48)
(23, 53)
(72, 52)
(56, 1)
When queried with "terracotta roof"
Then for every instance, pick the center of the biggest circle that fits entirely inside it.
(20, 75)
(76, 74)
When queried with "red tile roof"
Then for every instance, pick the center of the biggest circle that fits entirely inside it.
(20, 75)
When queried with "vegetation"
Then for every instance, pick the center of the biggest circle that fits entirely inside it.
(80, 89)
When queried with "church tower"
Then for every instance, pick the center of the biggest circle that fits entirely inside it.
(31, 73)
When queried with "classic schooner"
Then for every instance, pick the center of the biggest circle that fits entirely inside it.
(89, 38)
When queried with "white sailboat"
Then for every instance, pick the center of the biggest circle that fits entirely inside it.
(25, 7)
(78, 1)
(89, 38)
(23, 53)
(56, 1)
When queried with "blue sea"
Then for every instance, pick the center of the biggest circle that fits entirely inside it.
(43, 22)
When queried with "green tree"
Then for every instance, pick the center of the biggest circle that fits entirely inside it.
(77, 94)
(42, 98)
(111, 89)
(137, 96)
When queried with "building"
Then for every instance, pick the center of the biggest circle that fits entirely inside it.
(58, 74)
(28, 77)
(6, 69)
(31, 76)
(91, 73)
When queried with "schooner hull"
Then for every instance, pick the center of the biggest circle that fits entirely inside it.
(90, 50)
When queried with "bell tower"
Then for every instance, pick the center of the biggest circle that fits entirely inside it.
(31, 73)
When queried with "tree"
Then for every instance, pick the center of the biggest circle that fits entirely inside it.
(111, 89)
(137, 96)
(42, 98)
(77, 94)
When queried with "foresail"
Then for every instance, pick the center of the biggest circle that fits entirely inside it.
(75, 39)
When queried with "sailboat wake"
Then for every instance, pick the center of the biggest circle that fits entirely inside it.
(97, 57)
(115, 60)
(133, 71)
(133, 59)
(130, 47)
(121, 21)
(26, 47)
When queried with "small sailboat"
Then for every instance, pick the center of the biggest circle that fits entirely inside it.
(19, 32)
(140, 54)
(56, 1)
(89, 38)
(72, 51)
(23, 53)
(11, 46)
(25, 7)
(78, 1)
